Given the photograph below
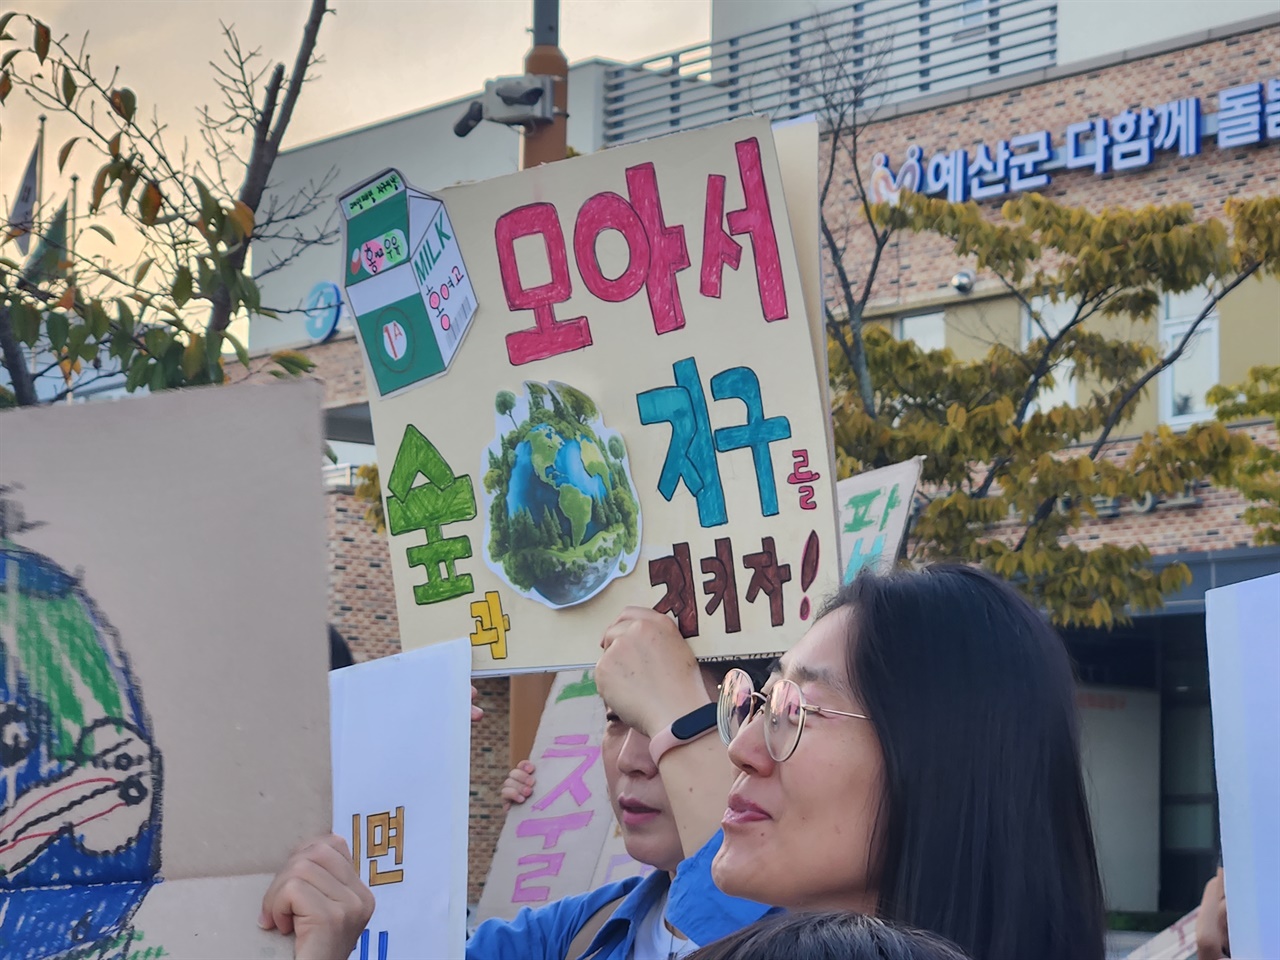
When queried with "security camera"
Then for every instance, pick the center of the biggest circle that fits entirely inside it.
(522, 101)
(517, 93)
(963, 282)
(469, 120)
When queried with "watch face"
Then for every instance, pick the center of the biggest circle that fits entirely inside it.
(697, 722)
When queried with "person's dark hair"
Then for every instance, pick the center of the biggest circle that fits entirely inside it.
(339, 652)
(827, 936)
(983, 834)
(757, 668)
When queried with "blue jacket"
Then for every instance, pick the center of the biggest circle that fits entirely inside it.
(695, 907)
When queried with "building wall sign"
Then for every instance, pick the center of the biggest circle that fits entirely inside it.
(323, 310)
(1247, 114)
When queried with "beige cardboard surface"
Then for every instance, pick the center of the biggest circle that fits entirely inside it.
(455, 421)
(214, 918)
(170, 619)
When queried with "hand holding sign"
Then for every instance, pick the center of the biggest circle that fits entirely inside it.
(318, 897)
(647, 674)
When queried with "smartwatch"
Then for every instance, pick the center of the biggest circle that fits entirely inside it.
(683, 730)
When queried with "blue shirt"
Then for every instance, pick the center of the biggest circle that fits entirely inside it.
(695, 907)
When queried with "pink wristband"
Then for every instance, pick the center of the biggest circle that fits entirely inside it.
(683, 730)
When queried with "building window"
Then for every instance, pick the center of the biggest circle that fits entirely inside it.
(972, 13)
(1053, 316)
(1184, 384)
(927, 330)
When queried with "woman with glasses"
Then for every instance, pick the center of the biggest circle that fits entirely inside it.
(913, 757)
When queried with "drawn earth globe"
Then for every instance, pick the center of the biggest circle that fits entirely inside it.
(78, 799)
(536, 485)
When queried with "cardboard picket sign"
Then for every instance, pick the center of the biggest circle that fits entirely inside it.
(659, 282)
(874, 509)
(401, 788)
(563, 840)
(1242, 624)
(163, 716)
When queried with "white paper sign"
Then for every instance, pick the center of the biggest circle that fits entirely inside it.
(874, 507)
(401, 766)
(1243, 626)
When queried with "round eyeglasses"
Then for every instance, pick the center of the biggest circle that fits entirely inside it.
(784, 712)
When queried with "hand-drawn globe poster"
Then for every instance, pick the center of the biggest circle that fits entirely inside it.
(79, 795)
(634, 412)
(158, 759)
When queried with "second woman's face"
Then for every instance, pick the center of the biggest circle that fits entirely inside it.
(799, 834)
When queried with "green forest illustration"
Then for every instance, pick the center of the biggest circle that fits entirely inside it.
(564, 519)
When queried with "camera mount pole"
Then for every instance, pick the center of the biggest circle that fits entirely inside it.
(543, 143)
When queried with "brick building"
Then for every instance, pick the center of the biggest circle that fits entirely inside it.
(972, 75)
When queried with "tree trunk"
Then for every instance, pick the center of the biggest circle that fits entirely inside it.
(24, 387)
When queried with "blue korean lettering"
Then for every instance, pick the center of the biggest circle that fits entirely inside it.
(1177, 124)
(1076, 155)
(1271, 112)
(1028, 152)
(691, 455)
(1240, 116)
(949, 173)
(756, 434)
(859, 559)
(1130, 142)
(987, 174)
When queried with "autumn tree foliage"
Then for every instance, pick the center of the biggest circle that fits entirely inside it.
(159, 316)
(1007, 482)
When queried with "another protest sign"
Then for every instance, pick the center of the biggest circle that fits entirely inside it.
(401, 789)
(608, 410)
(874, 509)
(562, 840)
(1242, 624)
(163, 717)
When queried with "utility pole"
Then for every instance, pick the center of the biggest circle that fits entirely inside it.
(543, 143)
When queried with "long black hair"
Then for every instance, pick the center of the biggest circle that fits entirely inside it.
(827, 936)
(983, 834)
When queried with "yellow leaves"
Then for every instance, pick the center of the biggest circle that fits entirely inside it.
(242, 217)
(65, 152)
(956, 416)
(193, 356)
(99, 189)
(149, 203)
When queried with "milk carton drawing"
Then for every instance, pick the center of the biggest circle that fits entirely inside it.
(405, 281)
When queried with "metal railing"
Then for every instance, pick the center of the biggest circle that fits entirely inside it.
(874, 52)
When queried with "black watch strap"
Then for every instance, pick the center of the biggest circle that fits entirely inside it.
(696, 723)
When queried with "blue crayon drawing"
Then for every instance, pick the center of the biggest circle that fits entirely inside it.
(80, 776)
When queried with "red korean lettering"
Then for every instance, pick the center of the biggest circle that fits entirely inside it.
(668, 254)
(755, 219)
(549, 336)
(608, 211)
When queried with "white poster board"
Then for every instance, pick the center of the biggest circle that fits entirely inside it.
(633, 415)
(874, 508)
(401, 789)
(1242, 622)
(163, 709)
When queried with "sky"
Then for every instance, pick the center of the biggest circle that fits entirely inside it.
(384, 57)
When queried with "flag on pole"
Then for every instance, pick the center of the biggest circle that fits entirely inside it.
(50, 251)
(22, 212)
